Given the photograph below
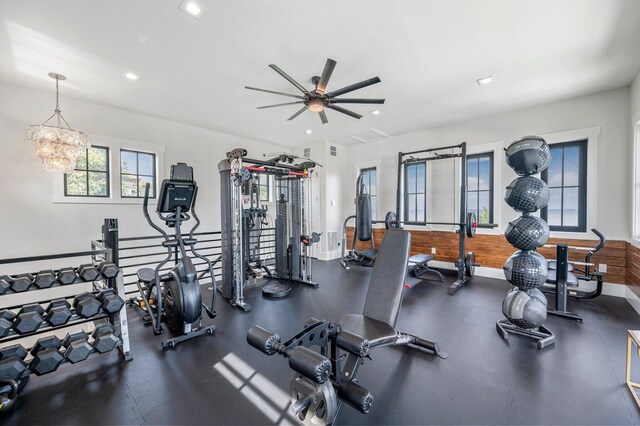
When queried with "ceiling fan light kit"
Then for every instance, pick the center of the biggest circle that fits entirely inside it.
(316, 100)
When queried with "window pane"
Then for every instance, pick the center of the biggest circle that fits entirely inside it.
(472, 202)
(484, 174)
(98, 183)
(145, 164)
(264, 193)
(420, 213)
(570, 216)
(483, 207)
(77, 183)
(554, 208)
(81, 162)
(555, 168)
(373, 190)
(420, 179)
(374, 207)
(571, 164)
(411, 207)
(98, 159)
(129, 186)
(411, 178)
(472, 174)
(128, 162)
(263, 179)
(142, 181)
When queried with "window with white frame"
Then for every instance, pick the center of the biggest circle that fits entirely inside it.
(567, 180)
(480, 186)
(415, 187)
(370, 181)
(90, 177)
(136, 170)
(264, 187)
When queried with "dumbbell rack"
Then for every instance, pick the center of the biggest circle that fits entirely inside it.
(102, 305)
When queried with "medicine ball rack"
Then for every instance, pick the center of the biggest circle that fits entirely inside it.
(241, 213)
(467, 224)
(103, 305)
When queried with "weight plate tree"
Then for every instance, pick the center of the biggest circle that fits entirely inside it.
(525, 307)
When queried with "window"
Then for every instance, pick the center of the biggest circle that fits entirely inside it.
(636, 184)
(415, 200)
(90, 177)
(480, 186)
(264, 187)
(567, 180)
(371, 187)
(136, 170)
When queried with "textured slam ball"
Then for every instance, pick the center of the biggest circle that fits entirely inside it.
(527, 194)
(525, 309)
(528, 155)
(526, 270)
(527, 232)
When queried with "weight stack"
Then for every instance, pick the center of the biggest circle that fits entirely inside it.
(525, 306)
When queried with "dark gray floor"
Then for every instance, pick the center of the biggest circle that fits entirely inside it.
(221, 380)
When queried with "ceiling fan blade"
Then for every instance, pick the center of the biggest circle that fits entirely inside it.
(300, 111)
(278, 105)
(353, 87)
(275, 93)
(344, 111)
(356, 101)
(326, 75)
(323, 117)
(288, 78)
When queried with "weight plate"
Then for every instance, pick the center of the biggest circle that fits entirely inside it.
(469, 264)
(276, 291)
(315, 404)
(472, 224)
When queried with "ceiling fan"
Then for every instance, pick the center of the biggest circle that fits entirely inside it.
(316, 100)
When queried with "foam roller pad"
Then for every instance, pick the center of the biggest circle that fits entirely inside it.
(356, 396)
(263, 339)
(353, 343)
(310, 364)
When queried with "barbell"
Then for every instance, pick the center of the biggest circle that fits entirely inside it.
(470, 225)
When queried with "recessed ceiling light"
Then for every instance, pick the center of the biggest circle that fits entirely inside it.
(142, 39)
(192, 8)
(375, 112)
(309, 131)
(132, 76)
(485, 80)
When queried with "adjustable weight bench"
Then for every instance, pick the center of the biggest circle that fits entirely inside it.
(324, 380)
(419, 266)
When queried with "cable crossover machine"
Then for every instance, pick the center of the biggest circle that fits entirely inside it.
(245, 220)
(467, 223)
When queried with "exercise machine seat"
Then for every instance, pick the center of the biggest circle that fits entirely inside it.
(572, 280)
(146, 275)
(554, 265)
(419, 259)
(376, 332)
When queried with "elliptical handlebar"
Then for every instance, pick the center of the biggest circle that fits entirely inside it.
(145, 210)
(603, 241)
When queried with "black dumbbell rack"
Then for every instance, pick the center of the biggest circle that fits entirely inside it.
(111, 329)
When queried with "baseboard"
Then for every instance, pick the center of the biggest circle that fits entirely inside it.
(329, 255)
(633, 299)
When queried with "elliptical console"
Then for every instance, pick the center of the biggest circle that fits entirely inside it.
(180, 306)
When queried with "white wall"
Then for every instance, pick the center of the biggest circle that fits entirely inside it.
(33, 224)
(635, 99)
(609, 110)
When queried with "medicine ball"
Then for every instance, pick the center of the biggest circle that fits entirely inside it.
(525, 309)
(526, 269)
(527, 232)
(528, 155)
(527, 194)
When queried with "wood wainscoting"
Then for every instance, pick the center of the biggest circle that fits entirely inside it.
(622, 259)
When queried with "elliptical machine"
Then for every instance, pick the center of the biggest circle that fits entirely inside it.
(175, 297)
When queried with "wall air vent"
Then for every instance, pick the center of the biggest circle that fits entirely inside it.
(333, 150)
(332, 240)
(307, 152)
(370, 135)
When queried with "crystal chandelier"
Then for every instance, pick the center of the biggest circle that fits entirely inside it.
(57, 147)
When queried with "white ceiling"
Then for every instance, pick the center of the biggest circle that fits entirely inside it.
(428, 55)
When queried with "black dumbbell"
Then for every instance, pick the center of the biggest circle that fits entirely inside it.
(111, 301)
(5, 283)
(108, 269)
(13, 351)
(6, 320)
(86, 305)
(58, 312)
(88, 272)
(67, 276)
(21, 282)
(46, 357)
(28, 319)
(44, 279)
(77, 346)
(104, 338)
(14, 369)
